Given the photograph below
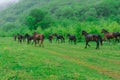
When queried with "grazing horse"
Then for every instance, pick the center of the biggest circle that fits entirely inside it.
(108, 35)
(39, 38)
(92, 37)
(50, 37)
(59, 37)
(72, 38)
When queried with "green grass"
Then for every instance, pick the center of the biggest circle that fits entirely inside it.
(58, 61)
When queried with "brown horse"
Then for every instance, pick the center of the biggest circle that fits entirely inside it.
(108, 35)
(92, 37)
(39, 38)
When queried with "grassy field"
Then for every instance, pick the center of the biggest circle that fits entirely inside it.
(58, 61)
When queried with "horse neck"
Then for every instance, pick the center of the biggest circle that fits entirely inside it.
(57, 35)
(68, 35)
(85, 34)
(35, 34)
(105, 32)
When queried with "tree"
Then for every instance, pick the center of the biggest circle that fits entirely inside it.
(38, 18)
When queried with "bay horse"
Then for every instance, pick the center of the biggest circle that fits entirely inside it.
(71, 38)
(59, 37)
(92, 37)
(39, 38)
(108, 35)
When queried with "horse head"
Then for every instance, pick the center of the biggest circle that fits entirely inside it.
(104, 31)
(84, 32)
(68, 35)
(34, 33)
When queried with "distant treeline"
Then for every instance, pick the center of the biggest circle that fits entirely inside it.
(61, 16)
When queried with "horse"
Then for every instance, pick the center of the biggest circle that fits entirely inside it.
(29, 38)
(20, 37)
(117, 36)
(59, 37)
(39, 38)
(92, 37)
(108, 35)
(50, 37)
(71, 38)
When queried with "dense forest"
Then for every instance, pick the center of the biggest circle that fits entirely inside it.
(60, 16)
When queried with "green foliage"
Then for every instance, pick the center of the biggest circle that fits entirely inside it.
(8, 26)
(38, 18)
(34, 19)
(66, 17)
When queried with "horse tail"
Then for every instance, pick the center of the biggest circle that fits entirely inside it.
(100, 38)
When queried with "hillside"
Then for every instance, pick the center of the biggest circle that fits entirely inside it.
(60, 10)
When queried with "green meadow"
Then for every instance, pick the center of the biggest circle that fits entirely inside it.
(58, 61)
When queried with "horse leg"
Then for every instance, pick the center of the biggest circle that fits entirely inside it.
(109, 41)
(75, 42)
(41, 43)
(28, 41)
(56, 40)
(86, 44)
(32, 42)
(61, 40)
(20, 40)
(89, 45)
(35, 42)
(97, 46)
(117, 39)
(51, 40)
(69, 41)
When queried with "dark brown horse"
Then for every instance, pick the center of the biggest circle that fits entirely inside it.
(50, 38)
(92, 37)
(71, 38)
(39, 38)
(108, 35)
(20, 37)
(29, 38)
(59, 37)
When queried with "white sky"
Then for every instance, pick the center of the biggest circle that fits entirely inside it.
(7, 1)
